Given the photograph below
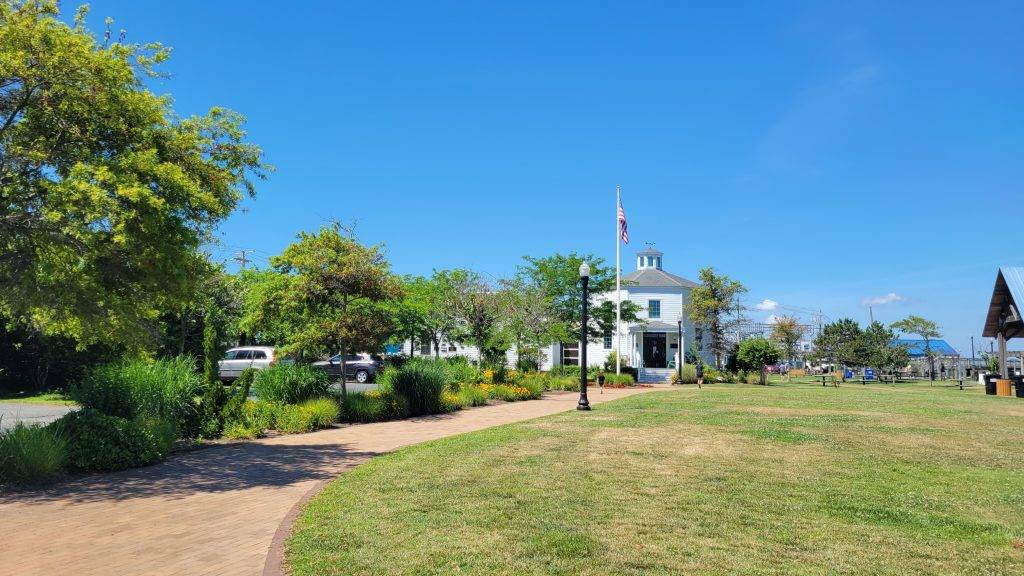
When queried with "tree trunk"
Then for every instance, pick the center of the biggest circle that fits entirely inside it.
(437, 346)
(344, 385)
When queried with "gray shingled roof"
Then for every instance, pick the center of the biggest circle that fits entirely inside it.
(655, 277)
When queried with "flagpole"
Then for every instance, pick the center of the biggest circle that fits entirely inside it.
(618, 289)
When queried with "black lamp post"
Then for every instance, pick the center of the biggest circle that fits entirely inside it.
(584, 404)
(679, 349)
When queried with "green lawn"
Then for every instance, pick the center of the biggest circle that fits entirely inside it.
(784, 479)
(37, 398)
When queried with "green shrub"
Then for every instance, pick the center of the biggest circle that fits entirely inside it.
(689, 375)
(753, 378)
(292, 419)
(569, 383)
(534, 383)
(421, 384)
(472, 396)
(619, 379)
(562, 370)
(362, 407)
(323, 411)
(31, 454)
(510, 393)
(240, 431)
(132, 389)
(461, 372)
(291, 383)
(100, 442)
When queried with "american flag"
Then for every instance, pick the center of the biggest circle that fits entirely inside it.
(622, 224)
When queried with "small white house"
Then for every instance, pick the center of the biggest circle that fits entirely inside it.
(652, 346)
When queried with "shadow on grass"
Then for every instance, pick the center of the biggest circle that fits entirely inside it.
(215, 469)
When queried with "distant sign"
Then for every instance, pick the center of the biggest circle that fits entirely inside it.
(869, 373)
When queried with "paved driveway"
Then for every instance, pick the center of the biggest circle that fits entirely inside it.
(14, 412)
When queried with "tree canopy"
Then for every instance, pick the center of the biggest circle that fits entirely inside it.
(712, 305)
(756, 353)
(105, 194)
(557, 277)
(334, 295)
(788, 332)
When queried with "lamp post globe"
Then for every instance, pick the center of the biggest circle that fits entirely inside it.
(584, 404)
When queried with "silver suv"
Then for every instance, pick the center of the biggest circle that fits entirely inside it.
(236, 360)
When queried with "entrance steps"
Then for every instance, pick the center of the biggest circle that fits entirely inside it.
(655, 375)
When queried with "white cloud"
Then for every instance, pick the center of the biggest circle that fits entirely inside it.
(772, 319)
(882, 300)
(767, 305)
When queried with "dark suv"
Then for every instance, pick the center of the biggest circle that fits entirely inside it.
(359, 367)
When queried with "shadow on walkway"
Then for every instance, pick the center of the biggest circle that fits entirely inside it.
(209, 470)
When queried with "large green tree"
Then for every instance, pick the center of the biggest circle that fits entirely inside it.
(478, 311)
(881, 349)
(713, 306)
(788, 332)
(841, 342)
(755, 354)
(105, 194)
(557, 277)
(340, 292)
(927, 330)
(423, 311)
(532, 322)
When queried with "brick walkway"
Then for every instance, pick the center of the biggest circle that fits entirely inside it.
(212, 511)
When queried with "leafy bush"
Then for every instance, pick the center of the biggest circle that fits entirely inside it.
(472, 396)
(237, 396)
(461, 372)
(508, 393)
(753, 378)
(131, 389)
(323, 411)
(421, 384)
(618, 380)
(100, 442)
(291, 383)
(450, 401)
(292, 419)
(562, 370)
(689, 375)
(534, 383)
(240, 431)
(31, 454)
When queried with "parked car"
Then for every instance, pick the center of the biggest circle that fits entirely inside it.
(236, 360)
(359, 367)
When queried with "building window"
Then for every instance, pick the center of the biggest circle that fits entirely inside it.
(607, 339)
(570, 354)
(654, 308)
(425, 347)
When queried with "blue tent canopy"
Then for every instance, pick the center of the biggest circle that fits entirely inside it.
(916, 347)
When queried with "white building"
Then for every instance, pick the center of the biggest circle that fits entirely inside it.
(652, 346)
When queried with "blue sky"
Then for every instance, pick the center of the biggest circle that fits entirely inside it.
(823, 153)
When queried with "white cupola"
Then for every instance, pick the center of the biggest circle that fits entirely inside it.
(648, 259)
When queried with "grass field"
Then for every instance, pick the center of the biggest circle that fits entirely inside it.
(784, 479)
(55, 398)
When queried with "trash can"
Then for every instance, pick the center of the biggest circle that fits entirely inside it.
(990, 384)
(1003, 387)
(1018, 386)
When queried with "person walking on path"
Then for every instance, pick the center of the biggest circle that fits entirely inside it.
(700, 374)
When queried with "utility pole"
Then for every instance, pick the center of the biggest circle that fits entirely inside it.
(871, 312)
(972, 352)
(242, 259)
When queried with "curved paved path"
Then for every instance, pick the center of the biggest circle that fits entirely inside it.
(213, 511)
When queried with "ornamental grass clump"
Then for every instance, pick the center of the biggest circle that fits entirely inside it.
(421, 384)
(31, 455)
(291, 383)
(138, 388)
